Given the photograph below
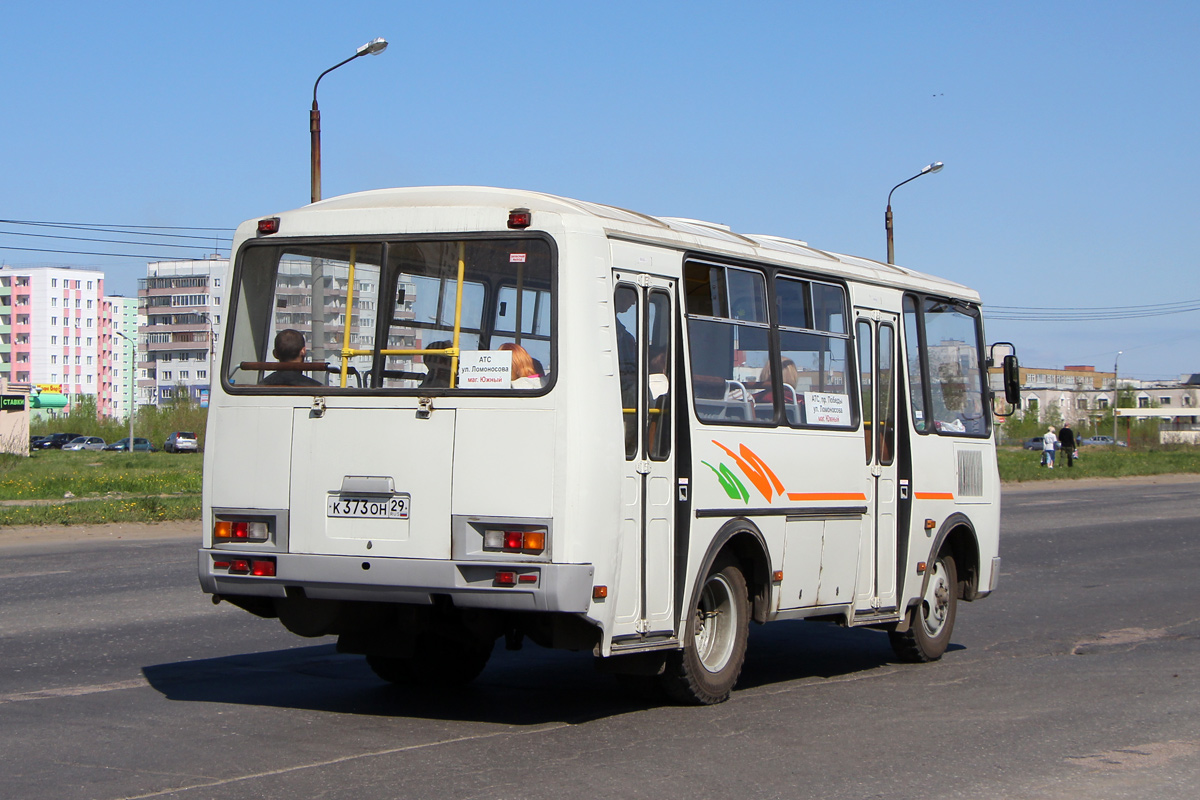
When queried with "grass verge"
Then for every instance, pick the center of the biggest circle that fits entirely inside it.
(95, 512)
(1097, 462)
(52, 474)
(52, 487)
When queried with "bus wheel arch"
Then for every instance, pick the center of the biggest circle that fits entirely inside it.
(957, 536)
(741, 540)
(951, 574)
(715, 629)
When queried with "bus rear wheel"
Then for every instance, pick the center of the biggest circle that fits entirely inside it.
(437, 661)
(705, 671)
(932, 622)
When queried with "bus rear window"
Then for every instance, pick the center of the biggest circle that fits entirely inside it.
(407, 315)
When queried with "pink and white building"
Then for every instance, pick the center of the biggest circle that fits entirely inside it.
(50, 327)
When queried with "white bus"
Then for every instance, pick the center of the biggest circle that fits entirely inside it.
(523, 416)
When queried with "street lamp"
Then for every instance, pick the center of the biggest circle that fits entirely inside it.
(132, 371)
(1116, 394)
(887, 219)
(371, 48)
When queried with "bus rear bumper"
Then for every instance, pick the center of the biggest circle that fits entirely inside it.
(506, 586)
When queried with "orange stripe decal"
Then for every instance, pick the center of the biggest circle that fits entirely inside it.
(826, 496)
(934, 495)
(755, 469)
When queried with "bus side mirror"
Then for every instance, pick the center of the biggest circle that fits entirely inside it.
(1012, 381)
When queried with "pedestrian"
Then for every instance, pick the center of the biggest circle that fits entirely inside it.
(1066, 437)
(1049, 441)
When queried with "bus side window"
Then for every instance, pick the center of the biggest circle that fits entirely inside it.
(658, 375)
(865, 372)
(625, 306)
(916, 374)
(886, 418)
(729, 340)
(813, 339)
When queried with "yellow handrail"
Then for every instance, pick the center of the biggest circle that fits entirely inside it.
(346, 352)
(453, 352)
(458, 294)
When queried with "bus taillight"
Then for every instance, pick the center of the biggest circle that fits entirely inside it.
(227, 531)
(508, 541)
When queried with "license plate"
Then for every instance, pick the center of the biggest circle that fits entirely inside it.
(395, 507)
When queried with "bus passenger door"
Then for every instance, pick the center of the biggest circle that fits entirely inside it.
(645, 349)
(876, 338)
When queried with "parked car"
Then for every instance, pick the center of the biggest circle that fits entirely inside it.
(181, 442)
(1037, 443)
(85, 443)
(138, 444)
(1102, 440)
(55, 441)
(35, 442)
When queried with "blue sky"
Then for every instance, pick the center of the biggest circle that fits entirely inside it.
(1070, 131)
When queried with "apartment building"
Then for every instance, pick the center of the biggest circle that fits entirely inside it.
(179, 305)
(49, 328)
(118, 355)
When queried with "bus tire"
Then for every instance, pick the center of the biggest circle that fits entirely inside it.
(705, 671)
(932, 621)
(438, 661)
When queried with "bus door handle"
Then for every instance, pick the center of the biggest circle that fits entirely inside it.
(683, 490)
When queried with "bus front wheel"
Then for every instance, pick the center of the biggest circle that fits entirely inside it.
(705, 670)
(932, 621)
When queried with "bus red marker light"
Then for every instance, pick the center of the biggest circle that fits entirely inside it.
(239, 566)
(513, 540)
(529, 577)
(520, 218)
(268, 226)
(506, 578)
(264, 568)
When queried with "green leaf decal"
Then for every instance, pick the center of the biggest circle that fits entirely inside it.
(730, 483)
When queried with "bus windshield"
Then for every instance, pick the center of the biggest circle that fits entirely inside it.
(446, 315)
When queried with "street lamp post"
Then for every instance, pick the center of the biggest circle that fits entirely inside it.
(132, 372)
(1116, 394)
(371, 48)
(887, 219)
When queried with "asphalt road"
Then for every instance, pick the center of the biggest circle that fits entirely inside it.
(1078, 679)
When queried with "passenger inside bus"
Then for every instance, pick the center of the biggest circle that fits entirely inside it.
(438, 367)
(289, 349)
(524, 374)
(764, 399)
